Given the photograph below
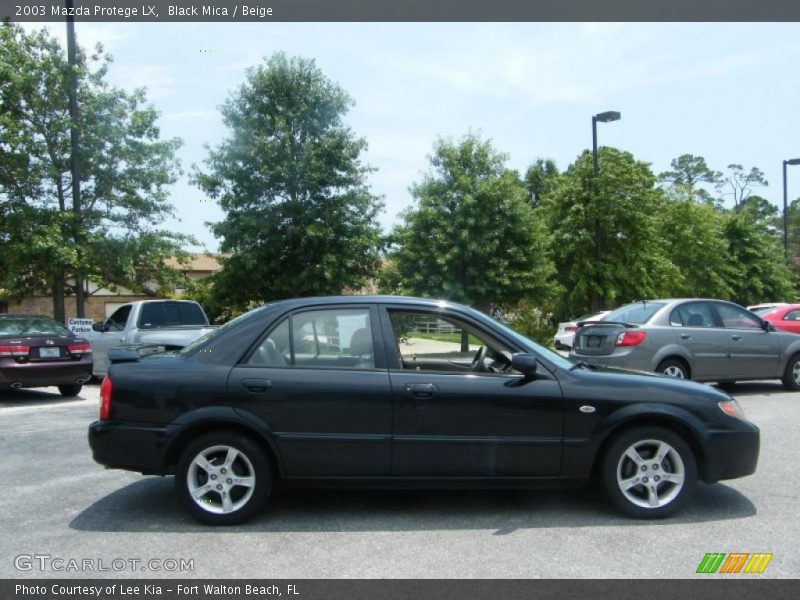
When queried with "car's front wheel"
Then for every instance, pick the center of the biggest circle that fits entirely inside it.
(649, 472)
(223, 478)
(791, 377)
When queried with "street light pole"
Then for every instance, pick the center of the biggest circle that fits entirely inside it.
(603, 117)
(793, 161)
(74, 148)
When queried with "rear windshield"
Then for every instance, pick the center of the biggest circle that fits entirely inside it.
(171, 314)
(31, 326)
(637, 313)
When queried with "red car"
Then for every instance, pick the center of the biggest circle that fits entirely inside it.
(785, 318)
(37, 351)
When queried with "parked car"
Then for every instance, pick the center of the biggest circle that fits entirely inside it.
(37, 351)
(344, 391)
(784, 318)
(148, 326)
(705, 340)
(565, 336)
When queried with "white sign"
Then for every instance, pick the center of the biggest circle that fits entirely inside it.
(79, 326)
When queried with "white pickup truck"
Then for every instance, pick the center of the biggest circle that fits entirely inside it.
(147, 326)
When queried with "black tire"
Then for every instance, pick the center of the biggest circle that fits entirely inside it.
(672, 365)
(70, 390)
(790, 379)
(251, 461)
(674, 497)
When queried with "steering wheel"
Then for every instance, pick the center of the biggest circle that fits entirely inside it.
(477, 363)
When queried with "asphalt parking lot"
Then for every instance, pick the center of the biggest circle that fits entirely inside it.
(58, 502)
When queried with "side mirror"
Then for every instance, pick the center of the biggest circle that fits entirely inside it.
(98, 327)
(767, 326)
(525, 364)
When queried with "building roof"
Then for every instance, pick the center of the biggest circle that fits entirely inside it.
(199, 261)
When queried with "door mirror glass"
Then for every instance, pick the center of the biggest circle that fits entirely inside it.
(768, 326)
(525, 364)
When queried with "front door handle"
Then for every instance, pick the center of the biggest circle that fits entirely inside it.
(256, 386)
(736, 337)
(422, 390)
(685, 336)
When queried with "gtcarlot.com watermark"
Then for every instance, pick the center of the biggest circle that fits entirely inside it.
(60, 564)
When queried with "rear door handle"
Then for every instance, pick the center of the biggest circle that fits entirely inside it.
(736, 337)
(685, 336)
(257, 386)
(422, 390)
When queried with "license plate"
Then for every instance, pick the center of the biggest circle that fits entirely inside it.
(49, 352)
(593, 341)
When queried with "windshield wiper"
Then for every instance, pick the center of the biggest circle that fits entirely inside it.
(583, 364)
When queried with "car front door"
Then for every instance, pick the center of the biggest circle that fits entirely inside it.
(318, 381)
(458, 416)
(698, 329)
(113, 334)
(753, 352)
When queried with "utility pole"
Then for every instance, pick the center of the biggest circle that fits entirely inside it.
(80, 299)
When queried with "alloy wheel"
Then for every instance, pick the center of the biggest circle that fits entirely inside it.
(650, 473)
(221, 479)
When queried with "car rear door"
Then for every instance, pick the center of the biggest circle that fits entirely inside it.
(453, 420)
(318, 380)
(699, 330)
(790, 321)
(752, 351)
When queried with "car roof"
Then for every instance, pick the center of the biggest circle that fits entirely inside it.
(372, 299)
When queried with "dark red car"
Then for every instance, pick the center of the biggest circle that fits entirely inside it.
(37, 351)
(785, 318)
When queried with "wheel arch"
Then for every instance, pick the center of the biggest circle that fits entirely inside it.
(651, 419)
(673, 353)
(222, 420)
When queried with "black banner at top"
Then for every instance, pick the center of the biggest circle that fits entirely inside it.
(401, 10)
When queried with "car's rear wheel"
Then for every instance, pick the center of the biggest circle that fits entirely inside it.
(673, 367)
(223, 478)
(70, 390)
(649, 472)
(791, 376)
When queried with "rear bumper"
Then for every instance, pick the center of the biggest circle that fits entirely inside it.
(132, 447)
(44, 374)
(622, 358)
(731, 454)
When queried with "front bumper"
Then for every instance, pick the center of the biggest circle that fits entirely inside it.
(731, 454)
(142, 448)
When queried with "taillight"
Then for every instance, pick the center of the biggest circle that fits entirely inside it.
(79, 348)
(105, 398)
(14, 350)
(570, 328)
(630, 338)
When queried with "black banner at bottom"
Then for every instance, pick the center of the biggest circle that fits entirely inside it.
(391, 589)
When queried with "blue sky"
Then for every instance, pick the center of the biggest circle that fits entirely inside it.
(728, 92)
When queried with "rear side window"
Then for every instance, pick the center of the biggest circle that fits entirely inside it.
(693, 314)
(170, 314)
(792, 315)
(637, 313)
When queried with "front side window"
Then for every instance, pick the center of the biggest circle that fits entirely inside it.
(326, 339)
(734, 317)
(432, 342)
(693, 314)
(116, 322)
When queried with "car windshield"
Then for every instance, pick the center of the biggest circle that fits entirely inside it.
(546, 353)
(762, 311)
(637, 313)
(31, 326)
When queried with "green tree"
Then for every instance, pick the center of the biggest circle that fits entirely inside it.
(756, 252)
(125, 170)
(687, 176)
(299, 217)
(472, 235)
(541, 179)
(632, 261)
(738, 185)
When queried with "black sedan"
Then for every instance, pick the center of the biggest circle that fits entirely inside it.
(405, 392)
(37, 351)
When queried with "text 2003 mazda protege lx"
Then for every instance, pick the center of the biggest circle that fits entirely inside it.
(405, 392)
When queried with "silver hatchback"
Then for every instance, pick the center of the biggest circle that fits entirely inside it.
(705, 340)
